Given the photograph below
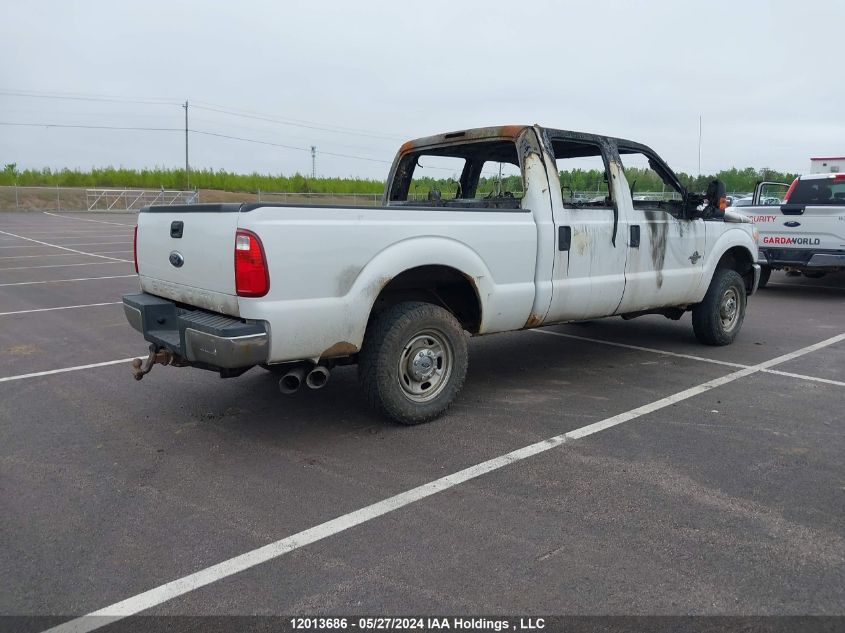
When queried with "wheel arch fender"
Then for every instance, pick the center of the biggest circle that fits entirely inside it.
(406, 255)
(734, 249)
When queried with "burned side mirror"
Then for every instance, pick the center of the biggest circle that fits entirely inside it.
(715, 200)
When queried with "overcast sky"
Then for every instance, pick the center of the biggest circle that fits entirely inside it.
(765, 76)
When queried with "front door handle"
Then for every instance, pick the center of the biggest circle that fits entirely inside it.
(635, 236)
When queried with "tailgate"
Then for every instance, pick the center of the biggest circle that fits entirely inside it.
(186, 254)
(814, 227)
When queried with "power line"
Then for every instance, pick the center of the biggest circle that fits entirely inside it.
(211, 107)
(94, 127)
(82, 97)
(203, 132)
(299, 123)
(301, 149)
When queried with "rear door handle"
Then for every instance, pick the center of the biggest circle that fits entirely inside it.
(635, 236)
(176, 228)
(564, 238)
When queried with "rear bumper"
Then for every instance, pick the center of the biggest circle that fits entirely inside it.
(827, 260)
(200, 337)
(801, 258)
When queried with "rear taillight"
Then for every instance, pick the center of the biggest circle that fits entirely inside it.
(135, 248)
(251, 276)
(789, 191)
(839, 177)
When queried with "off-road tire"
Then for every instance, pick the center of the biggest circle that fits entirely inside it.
(393, 339)
(713, 321)
(765, 273)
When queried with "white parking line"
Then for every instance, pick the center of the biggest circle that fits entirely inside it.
(65, 248)
(31, 256)
(110, 236)
(788, 374)
(639, 349)
(61, 231)
(58, 281)
(86, 305)
(102, 244)
(94, 244)
(57, 254)
(62, 265)
(237, 564)
(70, 217)
(686, 356)
(66, 369)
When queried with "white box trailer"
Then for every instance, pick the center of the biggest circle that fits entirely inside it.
(827, 165)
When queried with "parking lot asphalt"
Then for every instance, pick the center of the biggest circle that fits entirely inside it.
(727, 500)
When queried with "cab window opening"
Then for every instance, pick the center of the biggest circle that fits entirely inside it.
(583, 174)
(484, 175)
(650, 185)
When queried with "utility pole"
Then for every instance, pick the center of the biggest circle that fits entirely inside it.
(187, 167)
(313, 162)
(699, 146)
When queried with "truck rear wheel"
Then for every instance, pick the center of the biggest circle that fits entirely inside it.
(718, 318)
(413, 361)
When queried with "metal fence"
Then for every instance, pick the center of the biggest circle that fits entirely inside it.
(134, 199)
(14, 198)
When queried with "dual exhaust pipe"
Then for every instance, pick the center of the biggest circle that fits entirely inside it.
(314, 377)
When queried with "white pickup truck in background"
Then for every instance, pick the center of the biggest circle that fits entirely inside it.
(300, 289)
(802, 225)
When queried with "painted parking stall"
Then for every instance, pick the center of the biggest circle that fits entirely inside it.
(598, 455)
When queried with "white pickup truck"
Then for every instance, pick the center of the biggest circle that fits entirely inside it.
(802, 228)
(299, 289)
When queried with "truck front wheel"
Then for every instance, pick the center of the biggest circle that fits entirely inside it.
(718, 318)
(413, 361)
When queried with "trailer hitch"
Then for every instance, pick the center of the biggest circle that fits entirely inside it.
(157, 357)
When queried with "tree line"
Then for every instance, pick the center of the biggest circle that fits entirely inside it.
(736, 180)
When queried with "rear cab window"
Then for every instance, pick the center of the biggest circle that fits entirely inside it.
(823, 191)
(482, 174)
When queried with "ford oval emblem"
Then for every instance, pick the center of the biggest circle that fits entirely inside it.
(792, 224)
(176, 259)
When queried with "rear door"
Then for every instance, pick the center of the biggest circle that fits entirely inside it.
(589, 268)
(186, 254)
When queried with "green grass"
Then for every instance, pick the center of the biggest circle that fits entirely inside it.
(175, 179)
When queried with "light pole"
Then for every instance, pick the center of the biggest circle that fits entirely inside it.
(187, 167)
(699, 146)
